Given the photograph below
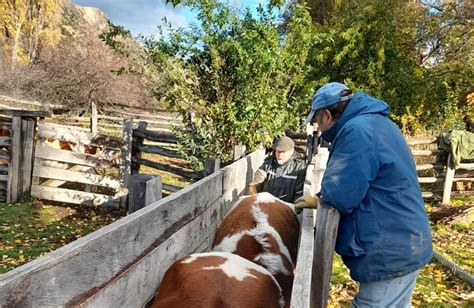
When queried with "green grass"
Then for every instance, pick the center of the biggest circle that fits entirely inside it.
(29, 230)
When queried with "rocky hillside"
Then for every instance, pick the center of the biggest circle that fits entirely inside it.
(50, 51)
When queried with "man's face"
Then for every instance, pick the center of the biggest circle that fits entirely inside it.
(283, 156)
(324, 119)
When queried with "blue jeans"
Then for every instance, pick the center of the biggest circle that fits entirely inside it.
(386, 293)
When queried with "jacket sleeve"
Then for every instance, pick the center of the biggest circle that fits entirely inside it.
(353, 164)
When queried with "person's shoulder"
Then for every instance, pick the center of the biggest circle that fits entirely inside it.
(299, 163)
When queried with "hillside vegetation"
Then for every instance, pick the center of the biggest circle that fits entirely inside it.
(50, 51)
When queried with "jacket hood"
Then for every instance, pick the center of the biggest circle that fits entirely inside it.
(362, 103)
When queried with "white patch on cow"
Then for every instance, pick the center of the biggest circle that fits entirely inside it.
(265, 197)
(191, 258)
(229, 243)
(234, 267)
(272, 262)
(263, 227)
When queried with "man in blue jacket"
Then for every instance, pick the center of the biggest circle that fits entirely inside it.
(384, 235)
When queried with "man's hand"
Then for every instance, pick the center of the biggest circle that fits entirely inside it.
(310, 202)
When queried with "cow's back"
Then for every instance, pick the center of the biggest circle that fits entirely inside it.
(217, 280)
(265, 230)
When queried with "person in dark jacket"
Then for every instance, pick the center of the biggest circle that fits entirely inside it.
(281, 173)
(384, 235)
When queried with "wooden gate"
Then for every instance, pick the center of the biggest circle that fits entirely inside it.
(76, 166)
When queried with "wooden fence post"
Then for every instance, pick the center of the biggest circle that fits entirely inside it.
(14, 165)
(448, 181)
(239, 151)
(28, 127)
(144, 190)
(137, 144)
(94, 121)
(327, 221)
(211, 165)
(126, 156)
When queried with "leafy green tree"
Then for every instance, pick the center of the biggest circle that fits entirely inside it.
(232, 77)
(417, 57)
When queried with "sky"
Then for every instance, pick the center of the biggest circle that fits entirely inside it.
(143, 16)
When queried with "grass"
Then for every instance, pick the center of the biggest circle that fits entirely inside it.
(29, 230)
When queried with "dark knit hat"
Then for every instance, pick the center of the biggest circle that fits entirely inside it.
(283, 144)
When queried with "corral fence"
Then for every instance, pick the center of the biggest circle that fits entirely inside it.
(435, 172)
(76, 166)
(122, 264)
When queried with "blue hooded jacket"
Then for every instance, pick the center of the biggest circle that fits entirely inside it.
(371, 180)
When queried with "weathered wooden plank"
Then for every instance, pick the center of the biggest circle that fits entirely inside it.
(145, 115)
(96, 259)
(26, 113)
(144, 190)
(3, 177)
(463, 179)
(137, 143)
(448, 181)
(14, 165)
(70, 175)
(211, 165)
(239, 151)
(65, 133)
(425, 152)
(466, 166)
(73, 196)
(56, 183)
(421, 140)
(28, 128)
(431, 179)
(168, 168)
(162, 122)
(65, 156)
(154, 136)
(171, 188)
(126, 157)
(160, 151)
(302, 282)
(94, 118)
(427, 194)
(327, 221)
(463, 193)
(146, 274)
(429, 166)
(5, 141)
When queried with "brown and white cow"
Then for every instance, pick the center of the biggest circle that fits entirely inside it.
(215, 280)
(263, 229)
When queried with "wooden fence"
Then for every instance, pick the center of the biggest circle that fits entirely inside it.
(76, 166)
(122, 264)
(164, 144)
(17, 133)
(435, 173)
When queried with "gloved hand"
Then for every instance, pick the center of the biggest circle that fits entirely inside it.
(310, 202)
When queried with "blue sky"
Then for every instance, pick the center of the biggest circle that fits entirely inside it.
(142, 16)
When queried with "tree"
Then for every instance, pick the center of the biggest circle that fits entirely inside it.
(231, 77)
